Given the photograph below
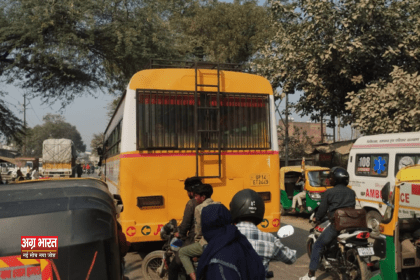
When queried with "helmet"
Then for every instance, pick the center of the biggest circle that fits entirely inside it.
(191, 183)
(247, 205)
(339, 175)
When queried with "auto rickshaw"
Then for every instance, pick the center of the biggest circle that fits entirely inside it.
(316, 182)
(400, 228)
(76, 216)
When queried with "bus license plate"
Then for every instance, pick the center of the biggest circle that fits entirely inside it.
(366, 251)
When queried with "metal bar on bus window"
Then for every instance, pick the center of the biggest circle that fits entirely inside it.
(269, 122)
(196, 121)
(150, 121)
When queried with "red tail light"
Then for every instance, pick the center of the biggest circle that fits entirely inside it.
(320, 229)
(363, 235)
(370, 264)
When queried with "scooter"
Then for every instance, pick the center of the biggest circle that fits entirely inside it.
(346, 257)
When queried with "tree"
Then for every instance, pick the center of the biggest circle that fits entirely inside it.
(330, 48)
(64, 49)
(110, 108)
(222, 32)
(299, 143)
(97, 142)
(11, 127)
(54, 127)
(388, 107)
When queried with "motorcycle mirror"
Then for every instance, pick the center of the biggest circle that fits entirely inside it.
(385, 192)
(285, 231)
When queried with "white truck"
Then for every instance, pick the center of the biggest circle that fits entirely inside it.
(58, 158)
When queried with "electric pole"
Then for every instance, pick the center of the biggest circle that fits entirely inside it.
(286, 140)
(24, 125)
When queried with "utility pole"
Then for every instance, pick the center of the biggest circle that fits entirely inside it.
(286, 140)
(338, 128)
(24, 125)
(322, 128)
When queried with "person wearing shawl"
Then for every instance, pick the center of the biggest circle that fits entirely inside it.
(228, 255)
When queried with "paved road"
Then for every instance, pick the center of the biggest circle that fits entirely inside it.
(281, 271)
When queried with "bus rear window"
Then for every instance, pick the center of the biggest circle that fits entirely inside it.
(166, 120)
(372, 165)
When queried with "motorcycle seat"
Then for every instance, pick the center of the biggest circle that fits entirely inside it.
(351, 230)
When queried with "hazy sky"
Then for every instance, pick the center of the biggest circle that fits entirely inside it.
(87, 113)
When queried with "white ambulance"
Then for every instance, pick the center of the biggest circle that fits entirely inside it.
(374, 161)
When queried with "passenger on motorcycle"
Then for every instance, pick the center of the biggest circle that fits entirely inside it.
(336, 198)
(228, 255)
(202, 195)
(186, 229)
(247, 209)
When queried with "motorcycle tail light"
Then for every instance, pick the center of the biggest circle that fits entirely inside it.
(320, 229)
(363, 235)
(370, 264)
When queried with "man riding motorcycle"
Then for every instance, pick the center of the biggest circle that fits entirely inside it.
(247, 209)
(186, 229)
(336, 198)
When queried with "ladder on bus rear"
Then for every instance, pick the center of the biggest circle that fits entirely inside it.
(207, 131)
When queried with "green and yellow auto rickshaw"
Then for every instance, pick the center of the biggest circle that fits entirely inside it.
(316, 182)
(400, 228)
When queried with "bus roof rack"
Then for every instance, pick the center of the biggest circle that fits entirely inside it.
(161, 63)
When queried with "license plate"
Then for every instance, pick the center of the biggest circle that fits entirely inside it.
(366, 251)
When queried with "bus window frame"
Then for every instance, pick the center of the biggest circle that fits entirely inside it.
(151, 92)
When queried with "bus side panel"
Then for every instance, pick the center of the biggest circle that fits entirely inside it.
(112, 170)
(164, 175)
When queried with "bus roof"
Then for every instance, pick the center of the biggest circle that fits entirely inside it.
(409, 173)
(390, 140)
(184, 80)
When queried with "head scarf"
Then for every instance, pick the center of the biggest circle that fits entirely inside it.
(227, 244)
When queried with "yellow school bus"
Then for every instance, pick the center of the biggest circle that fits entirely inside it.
(192, 119)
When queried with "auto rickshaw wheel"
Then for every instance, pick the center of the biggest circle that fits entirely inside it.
(373, 220)
(151, 263)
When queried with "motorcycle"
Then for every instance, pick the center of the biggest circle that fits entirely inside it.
(347, 257)
(155, 265)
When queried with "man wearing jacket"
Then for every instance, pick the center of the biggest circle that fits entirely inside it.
(202, 195)
(336, 198)
(186, 229)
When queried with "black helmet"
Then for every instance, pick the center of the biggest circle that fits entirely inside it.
(247, 205)
(338, 175)
(191, 183)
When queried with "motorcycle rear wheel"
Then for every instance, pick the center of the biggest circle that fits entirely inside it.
(150, 264)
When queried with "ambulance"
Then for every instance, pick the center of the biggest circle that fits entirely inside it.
(374, 161)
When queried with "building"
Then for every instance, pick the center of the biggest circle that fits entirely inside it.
(312, 130)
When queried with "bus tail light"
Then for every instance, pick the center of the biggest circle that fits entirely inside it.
(149, 201)
(266, 196)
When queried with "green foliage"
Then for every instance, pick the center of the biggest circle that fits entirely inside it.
(54, 127)
(97, 142)
(388, 107)
(330, 48)
(10, 126)
(222, 32)
(69, 48)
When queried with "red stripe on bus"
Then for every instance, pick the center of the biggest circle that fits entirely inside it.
(387, 145)
(12, 261)
(193, 154)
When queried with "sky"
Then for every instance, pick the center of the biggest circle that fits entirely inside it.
(88, 113)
